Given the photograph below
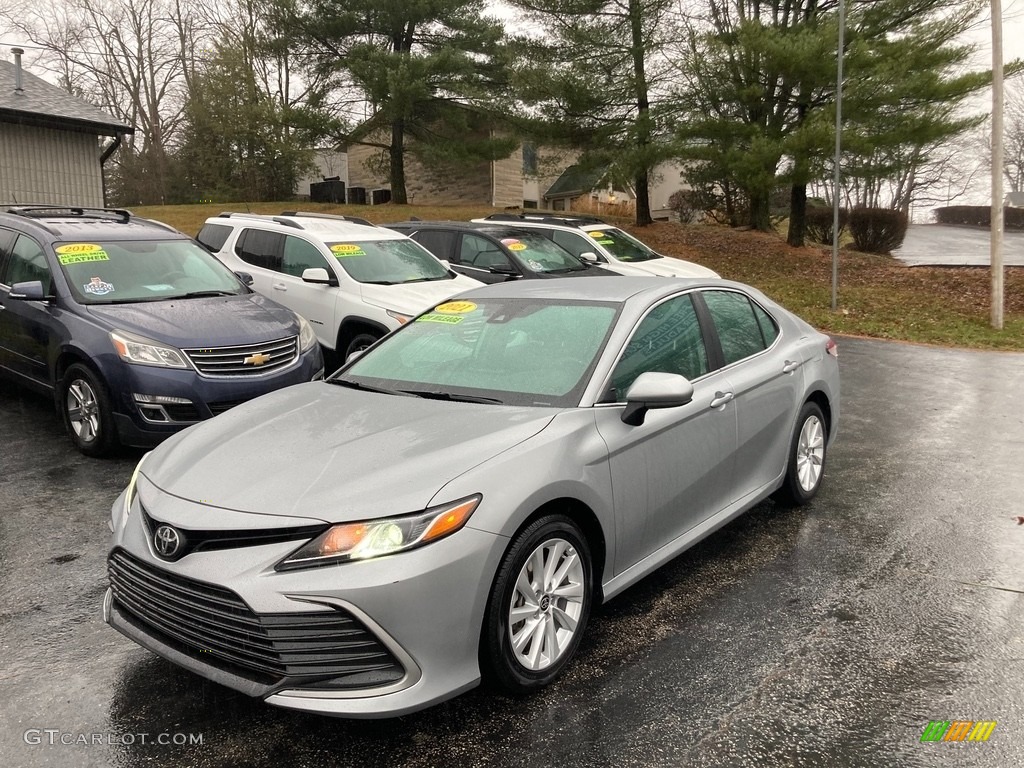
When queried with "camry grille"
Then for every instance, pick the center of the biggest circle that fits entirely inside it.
(245, 359)
(214, 625)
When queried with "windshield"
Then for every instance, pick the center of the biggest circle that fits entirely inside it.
(128, 271)
(622, 246)
(512, 351)
(539, 254)
(388, 262)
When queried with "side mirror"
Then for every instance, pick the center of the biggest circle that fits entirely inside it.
(655, 389)
(589, 256)
(28, 291)
(504, 269)
(447, 264)
(316, 275)
(354, 355)
(245, 277)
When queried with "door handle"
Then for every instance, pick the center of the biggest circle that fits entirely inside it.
(280, 287)
(721, 398)
(790, 366)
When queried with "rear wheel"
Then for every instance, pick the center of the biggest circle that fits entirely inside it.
(806, 465)
(85, 407)
(539, 605)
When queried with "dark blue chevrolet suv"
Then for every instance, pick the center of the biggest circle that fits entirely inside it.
(135, 329)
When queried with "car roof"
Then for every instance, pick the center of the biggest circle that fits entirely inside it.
(617, 288)
(321, 225)
(494, 229)
(57, 223)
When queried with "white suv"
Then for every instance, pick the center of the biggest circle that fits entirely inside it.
(591, 239)
(352, 281)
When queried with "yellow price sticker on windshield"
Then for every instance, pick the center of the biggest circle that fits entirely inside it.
(596, 235)
(342, 250)
(517, 247)
(455, 307)
(80, 253)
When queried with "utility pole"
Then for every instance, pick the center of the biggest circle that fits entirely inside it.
(996, 237)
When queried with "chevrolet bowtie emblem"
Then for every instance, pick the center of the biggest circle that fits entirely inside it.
(258, 359)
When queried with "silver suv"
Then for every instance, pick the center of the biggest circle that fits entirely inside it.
(591, 239)
(352, 281)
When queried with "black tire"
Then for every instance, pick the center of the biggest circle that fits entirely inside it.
(799, 487)
(360, 342)
(498, 655)
(93, 432)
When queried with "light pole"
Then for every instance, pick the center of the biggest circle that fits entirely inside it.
(835, 186)
(996, 235)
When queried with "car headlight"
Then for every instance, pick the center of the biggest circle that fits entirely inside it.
(307, 336)
(143, 351)
(401, 317)
(131, 491)
(385, 536)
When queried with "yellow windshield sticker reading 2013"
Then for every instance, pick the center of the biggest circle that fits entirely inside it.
(80, 253)
(455, 307)
(341, 250)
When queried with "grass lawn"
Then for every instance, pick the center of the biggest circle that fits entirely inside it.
(878, 296)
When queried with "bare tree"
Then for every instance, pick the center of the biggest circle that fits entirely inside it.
(1013, 138)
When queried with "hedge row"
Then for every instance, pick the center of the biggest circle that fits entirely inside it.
(979, 216)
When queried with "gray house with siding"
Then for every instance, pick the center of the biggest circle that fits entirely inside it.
(52, 144)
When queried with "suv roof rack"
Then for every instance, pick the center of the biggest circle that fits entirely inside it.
(335, 216)
(565, 221)
(46, 211)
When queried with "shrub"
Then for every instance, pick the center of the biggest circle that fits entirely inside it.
(686, 203)
(819, 221)
(877, 230)
(979, 216)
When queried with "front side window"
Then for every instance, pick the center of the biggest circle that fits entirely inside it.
(668, 340)
(573, 243)
(738, 329)
(27, 263)
(300, 255)
(482, 253)
(514, 351)
(387, 262)
(129, 271)
(622, 246)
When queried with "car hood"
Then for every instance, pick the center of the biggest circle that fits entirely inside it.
(669, 267)
(413, 298)
(327, 452)
(215, 321)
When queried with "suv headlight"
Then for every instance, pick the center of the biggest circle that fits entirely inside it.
(386, 536)
(307, 336)
(143, 351)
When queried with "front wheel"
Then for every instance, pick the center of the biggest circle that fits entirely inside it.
(539, 605)
(85, 408)
(359, 342)
(806, 457)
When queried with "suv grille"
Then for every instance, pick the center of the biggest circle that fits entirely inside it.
(245, 360)
(214, 625)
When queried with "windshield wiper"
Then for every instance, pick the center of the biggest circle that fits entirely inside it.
(364, 387)
(378, 282)
(202, 294)
(566, 269)
(434, 395)
(426, 279)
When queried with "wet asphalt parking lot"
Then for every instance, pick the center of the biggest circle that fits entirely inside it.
(824, 636)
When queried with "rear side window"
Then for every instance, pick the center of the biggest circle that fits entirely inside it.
(738, 328)
(261, 249)
(213, 236)
(769, 329)
(437, 241)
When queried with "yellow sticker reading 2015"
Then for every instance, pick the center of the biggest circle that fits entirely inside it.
(80, 253)
(455, 307)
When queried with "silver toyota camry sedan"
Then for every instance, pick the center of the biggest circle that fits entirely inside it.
(453, 502)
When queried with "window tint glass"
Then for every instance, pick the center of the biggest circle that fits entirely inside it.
(481, 253)
(437, 241)
(261, 249)
(574, 244)
(769, 329)
(300, 255)
(27, 263)
(213, 236)
(668, 340)
(738, 330)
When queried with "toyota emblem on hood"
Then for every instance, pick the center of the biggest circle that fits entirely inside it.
(167, 542)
